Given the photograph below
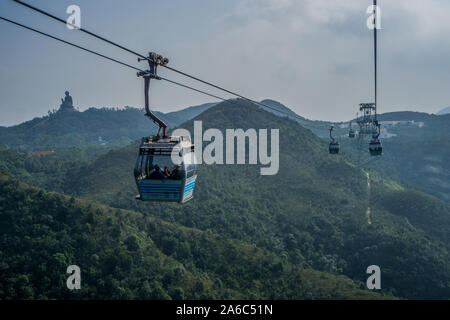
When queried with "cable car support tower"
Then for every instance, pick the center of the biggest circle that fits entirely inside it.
(368, 122)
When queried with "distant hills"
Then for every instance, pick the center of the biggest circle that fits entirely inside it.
(102, 127)
(444, 111)
(416, 144)
(313, 213)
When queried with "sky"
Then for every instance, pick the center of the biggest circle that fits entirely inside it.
(314, 56)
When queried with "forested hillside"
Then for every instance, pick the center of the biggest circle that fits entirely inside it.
(126, 255)
(314, 212)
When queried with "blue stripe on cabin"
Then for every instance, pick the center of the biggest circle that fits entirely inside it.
(189, 188)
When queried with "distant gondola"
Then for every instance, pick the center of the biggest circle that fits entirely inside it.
(351, 133)
(334, 145)
(375, 147)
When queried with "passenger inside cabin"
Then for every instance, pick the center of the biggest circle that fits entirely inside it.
(166, 172)
(177, 173)
(157, 174)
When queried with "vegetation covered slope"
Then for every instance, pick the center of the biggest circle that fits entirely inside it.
(53, 171)
(125, 255)
(315, 211)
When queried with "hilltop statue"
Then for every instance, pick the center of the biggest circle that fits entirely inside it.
(67, 102)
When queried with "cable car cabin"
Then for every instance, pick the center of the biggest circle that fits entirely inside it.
(375, 147)
(158, 178)
(351, 133)
(334, 147)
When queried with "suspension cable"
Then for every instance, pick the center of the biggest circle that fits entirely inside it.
(69, 43)
(81, 29)
(375, 47)
(109, 58)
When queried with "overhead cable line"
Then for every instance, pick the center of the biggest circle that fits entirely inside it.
(375, 47)
(69, 43)
(81, 29)
(108, 58)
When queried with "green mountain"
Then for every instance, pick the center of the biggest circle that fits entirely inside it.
(318, 211)
(126, 255)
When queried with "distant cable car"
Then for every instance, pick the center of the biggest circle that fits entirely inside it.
(351, 133)
(158, 176)
(375, 148)
(334, 145)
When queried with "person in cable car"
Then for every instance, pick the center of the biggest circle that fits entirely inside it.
(177, 173)
(157, 174)
(167, 172)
